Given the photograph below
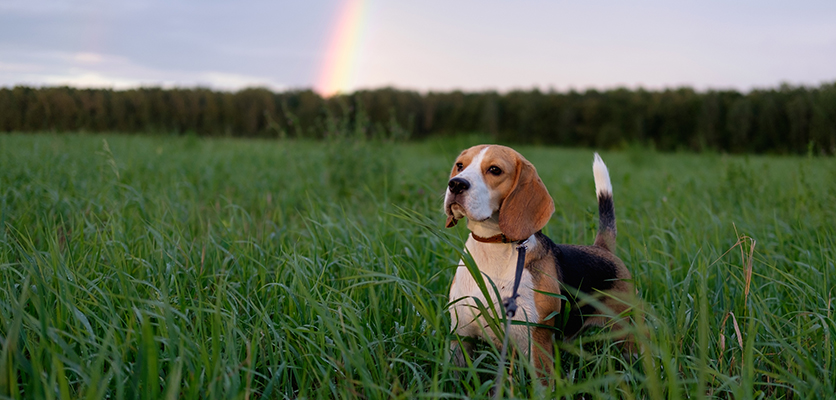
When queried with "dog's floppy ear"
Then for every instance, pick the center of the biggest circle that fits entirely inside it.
(528, 206)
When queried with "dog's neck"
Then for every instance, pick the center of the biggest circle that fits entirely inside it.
(489, 229)
(497, 260)
(486, 228)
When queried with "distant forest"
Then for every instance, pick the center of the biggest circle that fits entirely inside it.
(786, 119)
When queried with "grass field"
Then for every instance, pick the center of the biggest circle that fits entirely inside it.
(178, 267)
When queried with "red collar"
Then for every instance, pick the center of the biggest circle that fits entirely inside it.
(500, 238)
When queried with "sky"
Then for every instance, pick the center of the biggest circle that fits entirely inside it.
(344, 45)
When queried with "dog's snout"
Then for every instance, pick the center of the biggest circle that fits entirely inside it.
(458, 185)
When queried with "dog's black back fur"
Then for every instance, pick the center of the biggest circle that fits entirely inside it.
(580, 269)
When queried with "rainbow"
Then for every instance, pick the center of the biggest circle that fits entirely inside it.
(338, 72)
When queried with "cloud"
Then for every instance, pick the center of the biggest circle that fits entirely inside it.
(96, 70)
(229, 81)
(88, 58)
(87, 79)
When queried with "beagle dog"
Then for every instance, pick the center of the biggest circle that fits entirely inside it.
(505, 203)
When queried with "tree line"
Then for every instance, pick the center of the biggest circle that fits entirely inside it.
(787, 119)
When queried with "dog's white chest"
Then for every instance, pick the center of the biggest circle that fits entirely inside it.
(497, 263)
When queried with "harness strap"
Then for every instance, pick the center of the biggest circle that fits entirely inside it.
(511, 303)
(510, 310)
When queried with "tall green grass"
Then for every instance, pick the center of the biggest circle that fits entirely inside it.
(162, 267)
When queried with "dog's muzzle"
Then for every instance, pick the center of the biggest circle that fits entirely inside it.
(456, 186)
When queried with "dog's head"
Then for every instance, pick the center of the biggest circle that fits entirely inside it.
(495, 181)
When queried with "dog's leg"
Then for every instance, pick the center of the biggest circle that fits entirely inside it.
(542, 352)
(536, 344)
(615, 313)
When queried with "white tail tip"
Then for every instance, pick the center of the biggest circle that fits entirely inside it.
(602, 177)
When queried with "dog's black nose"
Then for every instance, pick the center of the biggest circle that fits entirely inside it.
(458, 185)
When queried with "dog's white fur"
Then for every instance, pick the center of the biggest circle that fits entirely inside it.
(602, 177)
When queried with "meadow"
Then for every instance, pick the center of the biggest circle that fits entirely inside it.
(184, 267)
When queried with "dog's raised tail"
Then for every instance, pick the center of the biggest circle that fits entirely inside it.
(606, 209)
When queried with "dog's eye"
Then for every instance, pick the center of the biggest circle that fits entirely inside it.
(494, 170)
(459, 166)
